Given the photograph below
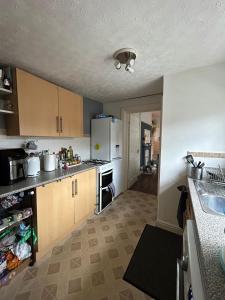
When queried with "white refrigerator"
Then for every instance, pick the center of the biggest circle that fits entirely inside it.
(106, 144)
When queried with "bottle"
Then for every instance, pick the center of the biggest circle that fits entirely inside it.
(68, 154)
(6, 81)
(71, 152)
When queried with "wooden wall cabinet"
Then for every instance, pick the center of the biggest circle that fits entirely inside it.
(70, 113)
(63, 205)
(43, 109)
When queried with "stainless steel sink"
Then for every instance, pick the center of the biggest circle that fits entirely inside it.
(213, 204)
(212, 197)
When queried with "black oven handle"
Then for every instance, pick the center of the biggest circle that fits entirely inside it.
(180, 281)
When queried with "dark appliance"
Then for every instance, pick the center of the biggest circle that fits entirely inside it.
(12, 165)
(105, 195)
(105, 187)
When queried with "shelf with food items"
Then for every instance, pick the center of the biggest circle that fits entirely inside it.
(5, 80)
(17, 234)
(67, 159)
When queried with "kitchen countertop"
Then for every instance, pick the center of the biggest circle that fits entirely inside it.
(42, 179)
(210, 231)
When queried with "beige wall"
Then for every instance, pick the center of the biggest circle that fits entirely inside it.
(193, 118)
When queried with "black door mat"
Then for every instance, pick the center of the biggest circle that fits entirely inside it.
(152, 268)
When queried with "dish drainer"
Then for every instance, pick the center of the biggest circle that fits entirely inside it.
(216, 175)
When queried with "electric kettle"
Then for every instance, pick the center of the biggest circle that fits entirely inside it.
(33, 165)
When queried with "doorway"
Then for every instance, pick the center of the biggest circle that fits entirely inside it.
(142, 151)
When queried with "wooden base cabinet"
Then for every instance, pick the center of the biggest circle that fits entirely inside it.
(63, 205)
(85, 195)
(55, 213)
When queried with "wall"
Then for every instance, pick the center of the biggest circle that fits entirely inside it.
(91, 108)
(80, 146)
(146, 117)
(148, 103)
(193, 118)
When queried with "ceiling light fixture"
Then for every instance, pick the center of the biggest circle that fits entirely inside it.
(125, 56)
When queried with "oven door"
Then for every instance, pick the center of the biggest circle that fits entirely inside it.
(106, 178)
(105, 197)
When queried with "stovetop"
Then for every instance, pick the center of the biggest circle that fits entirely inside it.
(102, 165)
(96, 162)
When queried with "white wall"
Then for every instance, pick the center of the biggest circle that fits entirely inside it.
(193, 118)
(149, 103)
(80, 146)
(146, 117)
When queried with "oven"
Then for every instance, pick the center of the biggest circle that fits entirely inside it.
(189, 280)
(104, 192)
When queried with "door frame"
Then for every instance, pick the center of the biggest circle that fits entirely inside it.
(125, 117)
(134, 179)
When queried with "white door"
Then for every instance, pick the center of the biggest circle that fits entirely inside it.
(134, 148)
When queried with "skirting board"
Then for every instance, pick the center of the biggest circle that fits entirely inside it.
(168, 226)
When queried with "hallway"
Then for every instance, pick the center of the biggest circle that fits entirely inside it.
(91, 263)
(146, 183)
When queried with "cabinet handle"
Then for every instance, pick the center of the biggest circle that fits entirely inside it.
(73, 193)
(57, 123)
(61, 125)
(76, 189)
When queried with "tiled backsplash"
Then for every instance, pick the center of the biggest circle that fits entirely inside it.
(207, 154)
(80, 146)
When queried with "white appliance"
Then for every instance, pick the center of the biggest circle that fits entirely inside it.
(49, 162)
(106, 138)
(33, 166)
(118, 175)
(106, 144)
(189, 281)
(104, 194)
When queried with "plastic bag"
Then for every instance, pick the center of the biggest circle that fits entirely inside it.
(22, 251)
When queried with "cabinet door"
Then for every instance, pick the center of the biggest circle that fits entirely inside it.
(85, 190)
(47, 217)
(70, 113)
(37, 105)
(65, 197)
(55, 213)
(92, 191)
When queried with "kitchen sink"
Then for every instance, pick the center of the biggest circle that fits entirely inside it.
(213, 204)
(212, 197)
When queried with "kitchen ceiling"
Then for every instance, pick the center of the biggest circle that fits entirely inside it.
(71, 43)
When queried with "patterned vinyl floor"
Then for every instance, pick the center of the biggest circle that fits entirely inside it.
(91, 263)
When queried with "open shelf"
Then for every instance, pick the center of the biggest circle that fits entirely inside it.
(11, 224)
(4, 91)
(8, 277)
(5, 111)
